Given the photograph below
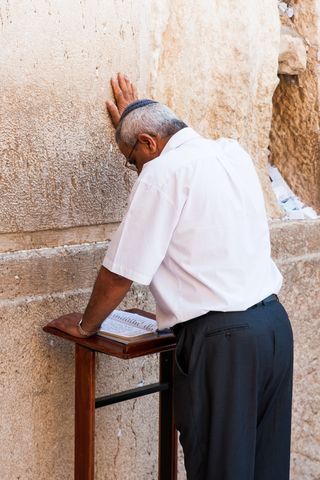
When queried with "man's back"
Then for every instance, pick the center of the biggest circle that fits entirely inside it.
(206, 237)
(196, 231)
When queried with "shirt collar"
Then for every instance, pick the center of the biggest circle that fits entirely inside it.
(179, 138)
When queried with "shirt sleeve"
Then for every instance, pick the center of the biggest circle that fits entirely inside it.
(141, 241)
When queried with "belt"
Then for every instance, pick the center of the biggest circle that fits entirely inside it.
(272, 298)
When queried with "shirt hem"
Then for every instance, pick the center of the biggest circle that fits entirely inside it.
(125, 272)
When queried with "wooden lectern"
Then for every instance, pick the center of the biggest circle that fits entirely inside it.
(86, 402)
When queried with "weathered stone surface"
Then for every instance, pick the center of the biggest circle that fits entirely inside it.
(294, 239)
(226, 88)
(61, 269)
(300, 295)
(63, 182)
(60, 167)
(59, 163)
(295, 133)
(13, 242)
(36, 398)
(296, 248)
(40, 411)
(293, 53)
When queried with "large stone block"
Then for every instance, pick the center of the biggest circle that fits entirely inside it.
(60, 166)
(217, 66)
(293, 53)
(63, 182)
(36, 381)
(37, 399)
(59, 163)
(294, 239)
(295, 133)
(296, 248)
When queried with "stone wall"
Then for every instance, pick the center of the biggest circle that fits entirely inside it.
(296, 249)
(64, 190)
(295, 133)
(60, 164)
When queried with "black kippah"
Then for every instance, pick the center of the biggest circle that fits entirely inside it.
(136, 104)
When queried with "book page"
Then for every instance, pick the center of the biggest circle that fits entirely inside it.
(127, 324)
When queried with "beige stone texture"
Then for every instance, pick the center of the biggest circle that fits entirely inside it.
(64, 189)
(296, 249)
(12, 242)
(37, 388)
(293, 52)
(59, 163)
(36, 381)
(60, 167)
(232, 79)
(295, 134)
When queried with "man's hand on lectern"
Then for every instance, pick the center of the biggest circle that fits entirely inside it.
(124, 93)
(108, 291)
(68, 324)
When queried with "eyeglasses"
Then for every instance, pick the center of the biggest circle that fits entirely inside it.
(131, 163)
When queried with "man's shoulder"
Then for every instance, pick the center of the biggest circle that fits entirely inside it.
(167, 166)
(225, 142)
(230, 143)
(178, 166)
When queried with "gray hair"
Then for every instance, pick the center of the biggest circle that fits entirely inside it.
(154, 119)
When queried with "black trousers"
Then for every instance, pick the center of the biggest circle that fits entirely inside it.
(233, 394)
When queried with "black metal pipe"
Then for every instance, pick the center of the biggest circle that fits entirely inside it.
(130, 394)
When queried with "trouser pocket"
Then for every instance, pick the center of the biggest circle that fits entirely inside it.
(228, 330)
(187, 351)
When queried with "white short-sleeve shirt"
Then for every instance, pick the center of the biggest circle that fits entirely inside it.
(196, 231)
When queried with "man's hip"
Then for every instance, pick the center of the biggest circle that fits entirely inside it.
(230, 369)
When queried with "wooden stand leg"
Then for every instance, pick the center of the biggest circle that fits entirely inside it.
(167, 431)
(84, 413)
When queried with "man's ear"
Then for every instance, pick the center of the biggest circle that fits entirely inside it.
(148, 141)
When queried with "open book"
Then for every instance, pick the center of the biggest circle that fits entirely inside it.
(127, 325)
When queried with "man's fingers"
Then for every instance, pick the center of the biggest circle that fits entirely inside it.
(67, 323)
(123, 85)
(129, 87)
(124, 93)
(59, 323)
(134, 92)
(117, 92)
(53, 323)
(113, 112)
(120, 92)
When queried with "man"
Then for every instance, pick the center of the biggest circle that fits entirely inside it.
(196, 231)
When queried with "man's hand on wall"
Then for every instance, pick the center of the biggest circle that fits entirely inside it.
(124, 92)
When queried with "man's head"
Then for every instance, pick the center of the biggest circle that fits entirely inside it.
(144, 129)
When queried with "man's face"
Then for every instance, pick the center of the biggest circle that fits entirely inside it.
(146, 148)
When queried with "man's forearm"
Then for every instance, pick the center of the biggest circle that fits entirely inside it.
(108, 291)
